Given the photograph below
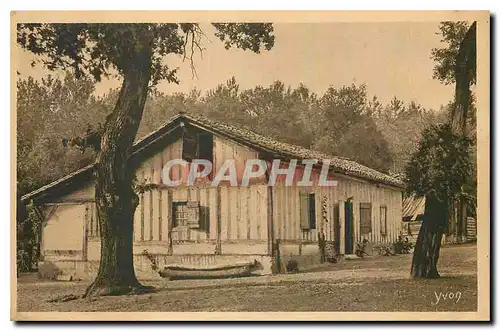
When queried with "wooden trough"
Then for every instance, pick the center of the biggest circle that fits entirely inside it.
(228, 271)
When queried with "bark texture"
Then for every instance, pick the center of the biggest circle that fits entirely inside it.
(115, 197)
(426, 253)
(465, 69)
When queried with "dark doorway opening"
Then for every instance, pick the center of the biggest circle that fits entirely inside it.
(349, 229)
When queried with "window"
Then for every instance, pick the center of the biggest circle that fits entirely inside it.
(197, 146)
(205, 149)
(365, 218)
(193, 214)
(383, 220)
(189, 142)
(307, 211)
(179, 213)
(186, 213)
(205, 146)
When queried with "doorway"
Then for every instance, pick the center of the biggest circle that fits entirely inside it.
(349, 233)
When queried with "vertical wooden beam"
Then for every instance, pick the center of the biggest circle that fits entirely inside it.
(170, 250)
(248, 214)
(294, 204)
(151, 215)
(208, 225)
(375, 218)
(355, 221)
(160, 211)
(280, 208)
(342, 226)
(189, 198)
(228, 205)
(198, 198)
(218, 247)
(333, 215)
(141, 201)
(288, 220)
(238, 212)
(270, 225)
(325, 221)
(260, 211)
(85, 234)
(151, 202)
(160, 197)
(91, 218)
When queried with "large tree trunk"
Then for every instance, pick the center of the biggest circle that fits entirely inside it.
(426, 253)
(465, 69)
(115, 198)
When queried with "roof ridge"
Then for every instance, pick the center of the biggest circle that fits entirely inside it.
(320, 154)
(239, 127)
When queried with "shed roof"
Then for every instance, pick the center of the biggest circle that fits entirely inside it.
(249, 138)
(413, 206)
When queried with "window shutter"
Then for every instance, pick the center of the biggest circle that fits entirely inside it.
(304, 211)
(383, 220)
(312, 211)
(189, 145)
(193, 214)
(365, 218)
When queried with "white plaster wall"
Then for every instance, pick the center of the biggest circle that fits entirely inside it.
(64, 229)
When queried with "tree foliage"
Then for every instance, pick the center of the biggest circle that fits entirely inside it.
(441, 165)
(245, 36)
(336, 122)
(456, 63)
(452, 34)
(373, 151)
(48, 111)
(344, 119)
(401, 125)
(103, 49)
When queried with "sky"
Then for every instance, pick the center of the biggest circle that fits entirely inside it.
(391, 58)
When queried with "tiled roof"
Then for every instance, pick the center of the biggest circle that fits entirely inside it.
(338, 164)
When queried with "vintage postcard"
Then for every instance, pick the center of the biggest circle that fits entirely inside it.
(250, 165)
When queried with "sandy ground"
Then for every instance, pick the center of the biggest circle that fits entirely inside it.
(371, 284)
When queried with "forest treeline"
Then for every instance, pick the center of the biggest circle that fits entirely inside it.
(343, 121)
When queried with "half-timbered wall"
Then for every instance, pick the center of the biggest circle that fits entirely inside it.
(286, 209)
(242, 212)
(377, 195)
(243, 215)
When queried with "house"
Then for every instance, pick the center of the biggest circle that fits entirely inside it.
(208, 225)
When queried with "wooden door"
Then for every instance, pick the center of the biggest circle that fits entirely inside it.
(349, 229)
